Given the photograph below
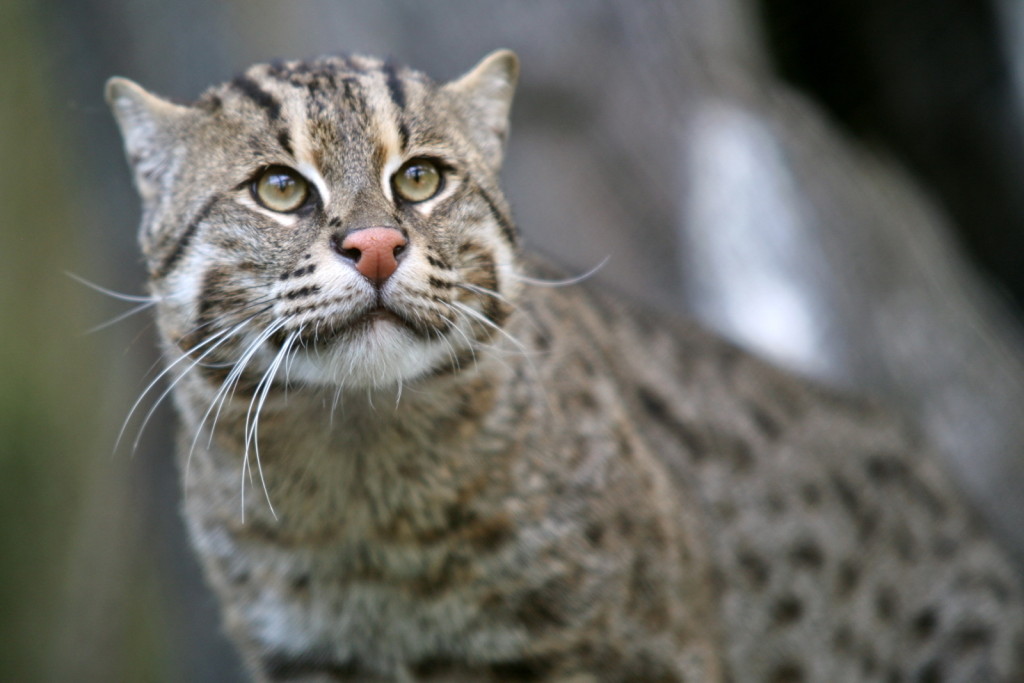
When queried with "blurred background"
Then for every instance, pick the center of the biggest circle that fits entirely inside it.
(836, 185)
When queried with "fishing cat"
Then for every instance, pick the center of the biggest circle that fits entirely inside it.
(406, 458)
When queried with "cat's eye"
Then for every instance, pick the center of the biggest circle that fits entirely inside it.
(280, 189)
(418, 180)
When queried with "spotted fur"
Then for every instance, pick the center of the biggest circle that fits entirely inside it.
(460, 474)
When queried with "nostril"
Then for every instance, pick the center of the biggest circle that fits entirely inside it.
(373, 251)
(340, 247)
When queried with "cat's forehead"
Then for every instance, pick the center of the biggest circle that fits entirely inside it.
(327, 87)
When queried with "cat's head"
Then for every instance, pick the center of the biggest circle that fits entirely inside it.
(340, 215)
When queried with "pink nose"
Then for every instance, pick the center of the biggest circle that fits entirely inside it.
(374, 252)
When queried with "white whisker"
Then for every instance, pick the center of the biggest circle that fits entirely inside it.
(562, 283)
(252, 435)
(109, 292)
(118, 318)
(156, 379)
(487, 322)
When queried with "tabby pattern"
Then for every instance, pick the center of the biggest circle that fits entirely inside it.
(407, 455)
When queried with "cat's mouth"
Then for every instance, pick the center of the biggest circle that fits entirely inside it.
(326, 332)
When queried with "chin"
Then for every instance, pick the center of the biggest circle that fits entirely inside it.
(379, 355)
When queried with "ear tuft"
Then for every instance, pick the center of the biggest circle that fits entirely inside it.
(488, 89)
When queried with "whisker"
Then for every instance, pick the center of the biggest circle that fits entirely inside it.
(110, 292)
(118, 318)
(252, 435)
(156, 379)
(222, 392)
(487, 322)
(562, 283)
(441, 337)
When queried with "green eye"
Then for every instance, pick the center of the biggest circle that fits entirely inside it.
(418, 180)
(281, 189)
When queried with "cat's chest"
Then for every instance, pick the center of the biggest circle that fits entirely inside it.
(344, 583)
(351, 602)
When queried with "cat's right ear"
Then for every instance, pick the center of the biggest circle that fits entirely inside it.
(150, 127)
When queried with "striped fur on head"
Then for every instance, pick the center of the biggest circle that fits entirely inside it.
(235, 277)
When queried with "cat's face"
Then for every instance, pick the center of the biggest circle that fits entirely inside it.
(340, 217)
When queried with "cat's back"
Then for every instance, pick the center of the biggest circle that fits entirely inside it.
(841, 551)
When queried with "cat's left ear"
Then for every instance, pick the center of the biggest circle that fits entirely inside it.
(151, 127)
(488, 89)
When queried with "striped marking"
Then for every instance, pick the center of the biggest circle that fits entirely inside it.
(507, 229)
(183, 242)
(258, 95)
(396, 89)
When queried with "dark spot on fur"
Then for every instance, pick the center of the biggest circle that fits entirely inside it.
(847, 579)
(885, 468)
(886, 603)
(211, 103)
(775, 504)
(846, 494)
(787, 610)
(889, 469)
(285, 140)
(655, 406)
(432, 260)
(438, 283)
(930, 673)
(904, 544)
(594, 533)
(754, 568)
(868, 663)
(434, 667)
(488, 534)
(924, 624)
(738, 453)
(543, 608)
(282, 666)
(524, 670)
(300, 582)
(968, 638)
(810, 492)
(726, 510)
(301, 292)
(786, 672)
(842, 639)
(867, 525)
(807, 554)
(767, 424)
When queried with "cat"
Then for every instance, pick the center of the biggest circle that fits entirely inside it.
(407, 455)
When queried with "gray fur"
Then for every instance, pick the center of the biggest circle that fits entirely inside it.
(467, 475)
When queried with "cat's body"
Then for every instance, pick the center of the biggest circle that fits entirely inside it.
(427, 467)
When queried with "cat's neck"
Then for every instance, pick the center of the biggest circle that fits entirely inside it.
(375, 456)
